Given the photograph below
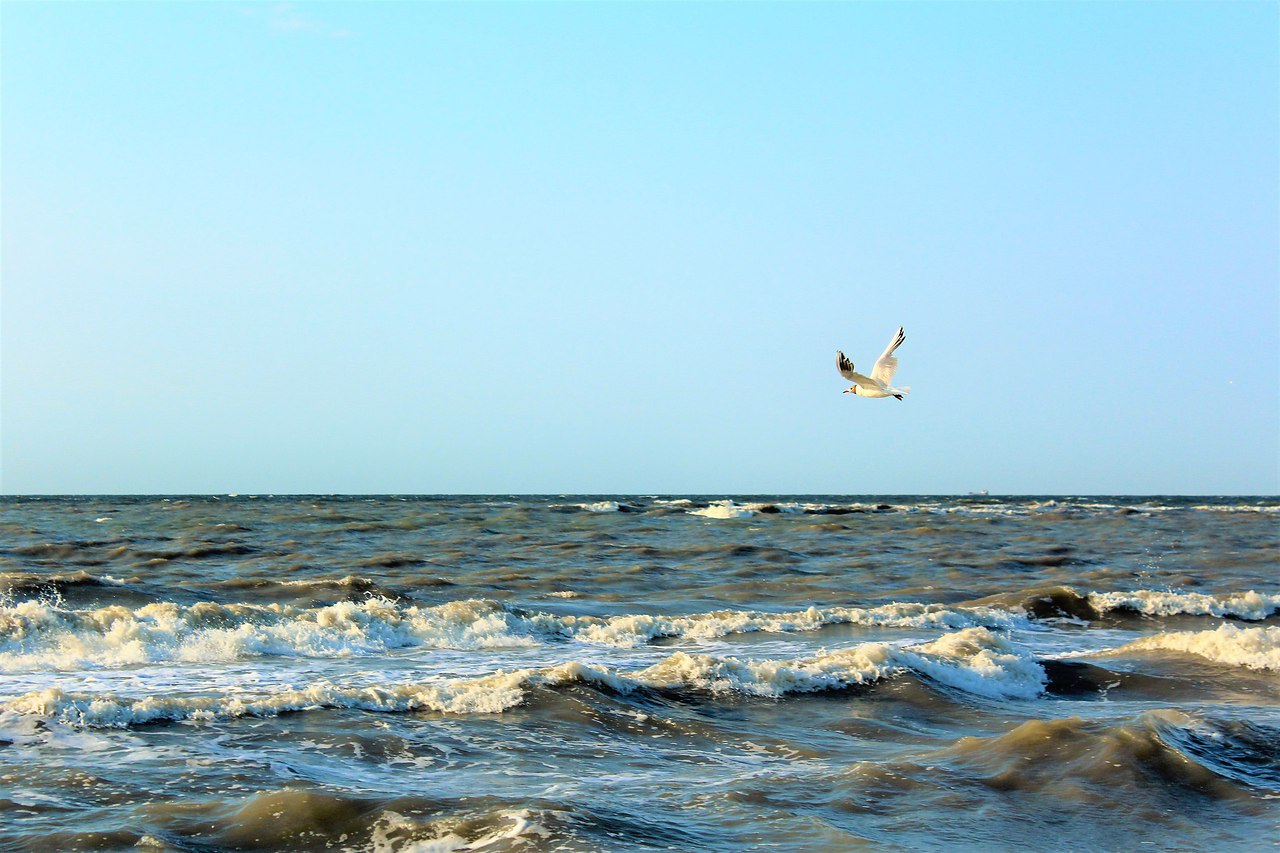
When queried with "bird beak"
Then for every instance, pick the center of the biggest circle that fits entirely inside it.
(846, 391)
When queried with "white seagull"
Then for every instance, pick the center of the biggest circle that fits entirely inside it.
(877, 384)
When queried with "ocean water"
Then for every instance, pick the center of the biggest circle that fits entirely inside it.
(615, 673)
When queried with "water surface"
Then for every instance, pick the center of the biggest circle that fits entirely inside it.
(639, 673)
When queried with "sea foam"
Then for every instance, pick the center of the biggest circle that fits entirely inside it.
(1247, 605)
(1252, 647)
(41, 636)
(723, 509)
(974, 660)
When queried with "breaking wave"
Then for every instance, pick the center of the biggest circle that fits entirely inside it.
(37, 635)
(1253, 647)
(1063, 601)
(1249, 605)
(975, 661)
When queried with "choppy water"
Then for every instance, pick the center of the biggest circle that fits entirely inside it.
(627, 674)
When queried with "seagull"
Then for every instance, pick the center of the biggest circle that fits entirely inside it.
(877, 384)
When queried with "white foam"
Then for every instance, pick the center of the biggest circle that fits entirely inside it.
(731, 509)
(859, 665)
(489, 694)
(1247, 605)
(1236, 508)
(37, 635)
(977, 661)
(40, 636)
(600, 506)
(638, 629)
(391, 829)
(974, 660)
(723, 509)
(1252, 647)
(346, 580)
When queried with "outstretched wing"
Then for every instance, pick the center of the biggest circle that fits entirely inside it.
(845, 366)
(887, 363)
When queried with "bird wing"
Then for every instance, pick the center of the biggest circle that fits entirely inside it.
(887, 364)
(845, 366)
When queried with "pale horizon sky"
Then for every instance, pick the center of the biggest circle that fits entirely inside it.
(613, 248)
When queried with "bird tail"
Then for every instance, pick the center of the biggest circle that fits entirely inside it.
(905, 389)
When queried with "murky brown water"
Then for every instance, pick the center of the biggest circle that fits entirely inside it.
(639, 673)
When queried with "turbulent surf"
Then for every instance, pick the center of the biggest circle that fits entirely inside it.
(635, 673)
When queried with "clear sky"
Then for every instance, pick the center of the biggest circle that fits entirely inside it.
(436, 248)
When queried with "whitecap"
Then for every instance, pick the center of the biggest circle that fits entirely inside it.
(1247, 605)
(1251, 647)
(723, 509)
(40, 636)
(599, 506)
(974, 660)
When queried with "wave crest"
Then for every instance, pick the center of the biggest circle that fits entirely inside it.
(1064, 602)
(1254, 647)
(37, 635)
(975, 660)
(1249, 605)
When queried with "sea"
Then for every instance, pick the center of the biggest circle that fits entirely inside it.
(639, 673)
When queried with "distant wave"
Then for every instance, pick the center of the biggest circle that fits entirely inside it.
(729, 508)
(30, 583)
(974, 660)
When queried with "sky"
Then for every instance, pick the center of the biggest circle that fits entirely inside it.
(614, 247)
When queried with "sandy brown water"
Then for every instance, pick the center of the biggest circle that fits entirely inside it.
(639, 673)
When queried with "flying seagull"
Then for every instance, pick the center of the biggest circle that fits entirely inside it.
(877, 384)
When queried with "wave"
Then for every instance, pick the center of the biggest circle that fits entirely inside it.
(1167, 747)
(732, 509)
(1253, 647)
(992, 507)
(723, 509)
(601, 506)
(1180, 775)
(302, 817)
(1065, 602)
(276, 819)
(975, 661)
(28, 583)
(633, 630)
(1246, 751)
(38, 635)
(315, 592)
(1249, 605)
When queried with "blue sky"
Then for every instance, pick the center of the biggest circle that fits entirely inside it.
(613, 248)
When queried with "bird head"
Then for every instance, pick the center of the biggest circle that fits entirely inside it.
(853, 390)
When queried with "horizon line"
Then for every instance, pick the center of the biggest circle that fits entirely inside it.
(987, 494)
